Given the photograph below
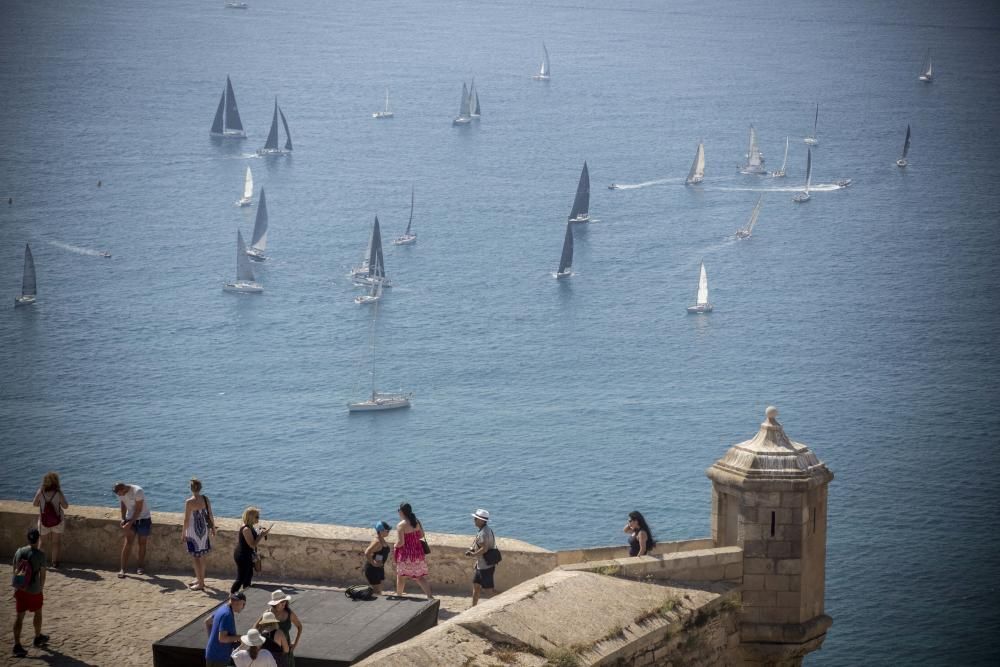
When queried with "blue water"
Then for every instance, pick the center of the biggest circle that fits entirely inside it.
(867, 315)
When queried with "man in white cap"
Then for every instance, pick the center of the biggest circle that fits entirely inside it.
(482, 579)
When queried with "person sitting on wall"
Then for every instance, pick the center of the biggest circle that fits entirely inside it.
(640, 539)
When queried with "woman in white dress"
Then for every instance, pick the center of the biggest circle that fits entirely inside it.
(199, 525)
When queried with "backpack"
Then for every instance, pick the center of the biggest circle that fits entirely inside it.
(23, 572)
(360, 592)
(50, 515)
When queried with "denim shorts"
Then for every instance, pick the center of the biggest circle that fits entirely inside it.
(142, 527)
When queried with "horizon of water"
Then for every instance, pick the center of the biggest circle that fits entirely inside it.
(867, 315)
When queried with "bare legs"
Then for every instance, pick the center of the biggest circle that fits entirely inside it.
(422, 582)
(199, 574)
(19, 622)
(51, 547)
(127, 549)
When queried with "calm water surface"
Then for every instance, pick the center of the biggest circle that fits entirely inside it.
(867, 315)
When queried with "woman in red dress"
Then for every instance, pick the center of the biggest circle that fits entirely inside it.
(409, 552)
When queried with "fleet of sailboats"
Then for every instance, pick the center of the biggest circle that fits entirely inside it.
(754, 165)
(811, 140)
(701, 302)
(258, 242)
(384, 113)
(247, 198)
(408, 236)
(566, 259)
(697, 173)
(29, 288)
(246, 282)
(379, 400)
(227, 123)
(544, 73)
(581, 203)
(804, 195)
(927, 73)
(271, 146)
(746, 230)
(901, 162)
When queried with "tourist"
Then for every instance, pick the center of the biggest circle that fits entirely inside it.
(136, 522)
(51, 502)
(221, 629)
(275, 639)
(286, 619)
(198, 524)
(640, 539)
(29, 596)
(254, 654)
(409, 554)
(245, 554)
(482, 577)
(375, 557)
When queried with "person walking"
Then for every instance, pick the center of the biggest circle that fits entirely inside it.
(221, 629)
(482, 577)
(280, 607)
(51, 502)
(640, 539)
(29, 583)
(137, 522)
(199, 525)
(409, 552)
(275, 639)
(245, 553)
(375, 556)
(251, 652)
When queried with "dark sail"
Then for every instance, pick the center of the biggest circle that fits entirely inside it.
(233, 121)
(272, 137)
(217, 123)
(288, 135)
(475, 112)
(28, 287)
(376, 262)
(906, 143)
(260, 224)
(581, 205)
(566, 261)
(408, 224)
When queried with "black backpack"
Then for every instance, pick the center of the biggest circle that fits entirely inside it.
(360, 592)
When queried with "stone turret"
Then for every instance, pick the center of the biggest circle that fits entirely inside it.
(769, 497)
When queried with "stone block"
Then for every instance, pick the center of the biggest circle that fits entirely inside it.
(713, 573)
(752, 531)
(779, 549)
(792, 499)
(707, 560)
(795, 549)
(758, 566)
(728, 555)
(753, 582)
(776, 582)
(734, 571)
(756, 549)
(788, 566)
(789, 599)
(759, 598)
(789, 533)
(794, 582)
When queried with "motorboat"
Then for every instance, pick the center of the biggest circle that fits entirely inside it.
(844, 182)
(613, 186)
(106, 254)
(237, 5)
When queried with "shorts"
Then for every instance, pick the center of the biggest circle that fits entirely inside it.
(484, 578)
(57, 529)
(142, 527)
(25, 601)
(374, 575)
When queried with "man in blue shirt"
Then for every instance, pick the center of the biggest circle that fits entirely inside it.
(221, 628)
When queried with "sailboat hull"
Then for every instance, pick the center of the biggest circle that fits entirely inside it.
(562, 274)
(753, 171)
(811, 141)
(365, 281)
(273, 151)
(580, 218)
(461, 120)
(700, 308)
(382, 114)
(256, 255)
(245, 201)
(801, 197)
(243, 287)
(229, 134)
(381, 402)
(901, 163)
(926, 78)
(25, 300)
(694, 180)
(406, 239)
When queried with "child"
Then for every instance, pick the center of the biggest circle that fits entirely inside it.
(375, 556)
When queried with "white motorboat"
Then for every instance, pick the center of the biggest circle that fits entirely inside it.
(811, 140)
(245, 282)
(581, 203)
(384, 113)
(613, 186)
(29, 288)
(544, 73)
(701, 305)
(927, 74)
(566, 259)
(901, 162)
(754, 165)
(247, 197)
(804, 195)
(258, 242)
(844, 182)
(378, 401)
(227, 123)
(697, 173)
(106, 254)
(271, 145)
(746, 230)
(781, 172)
(408, 237)
(465, 109)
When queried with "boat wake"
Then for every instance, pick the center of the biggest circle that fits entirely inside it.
(646, 184)
(77, 249)
(816, 187)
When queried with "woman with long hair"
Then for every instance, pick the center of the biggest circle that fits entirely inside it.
(198, 525)
(409, 552)
(246, 548)
(279, 604)
(640, 539)
(275, 640)
(51, 502)
(252, 651)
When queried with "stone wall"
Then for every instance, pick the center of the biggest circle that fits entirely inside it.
(722, 564)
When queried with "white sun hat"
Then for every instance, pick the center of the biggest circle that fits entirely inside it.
(481, 514)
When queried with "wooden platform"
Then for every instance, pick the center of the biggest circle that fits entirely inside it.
(336, 630)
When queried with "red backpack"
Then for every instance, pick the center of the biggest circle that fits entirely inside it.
(23, 573)
(50, 515)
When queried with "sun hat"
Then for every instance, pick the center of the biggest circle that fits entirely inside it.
(253, 638)
(277, 597)
(268, 618)
(481, 514)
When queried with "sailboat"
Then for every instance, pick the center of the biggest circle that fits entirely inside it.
(227, 123)
(543, 72)
(375, 270)
(697, 173)
(745, 231)
(928, 72)
(811, 140)
(29, 290)
(901, 162)
(465, 109)
(804, 195)
(474, 101)
(373, 295)
(408, 237)
(781, 172)
(271, 145)
(566, 259)
(379, 400)
(258, 242)
(581, 204)
(702, 305)
(247, 198)
(385, 113)
(245, 282)
(755, 159)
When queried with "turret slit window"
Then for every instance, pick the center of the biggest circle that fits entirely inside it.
(772, 524)
(814, 520)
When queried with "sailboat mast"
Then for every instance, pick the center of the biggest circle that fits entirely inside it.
(410, 222)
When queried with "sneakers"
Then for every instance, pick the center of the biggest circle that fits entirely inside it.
(20, 651)
(40, 639)
(121, 574)
(140, 571)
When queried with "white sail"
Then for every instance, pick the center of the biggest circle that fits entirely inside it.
(543, 72)
(928, 71)
(244, 270)
(703, 287)
(697, 173)
(784, 161)
(248, 184)
(755, 160)
(809, 169)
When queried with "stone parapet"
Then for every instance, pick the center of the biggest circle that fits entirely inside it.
(571, 556)
(722, 564)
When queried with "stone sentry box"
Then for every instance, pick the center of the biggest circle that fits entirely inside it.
(769, 497)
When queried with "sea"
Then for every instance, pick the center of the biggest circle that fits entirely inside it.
(868, 315)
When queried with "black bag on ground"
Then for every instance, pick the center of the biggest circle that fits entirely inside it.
(360, 592)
